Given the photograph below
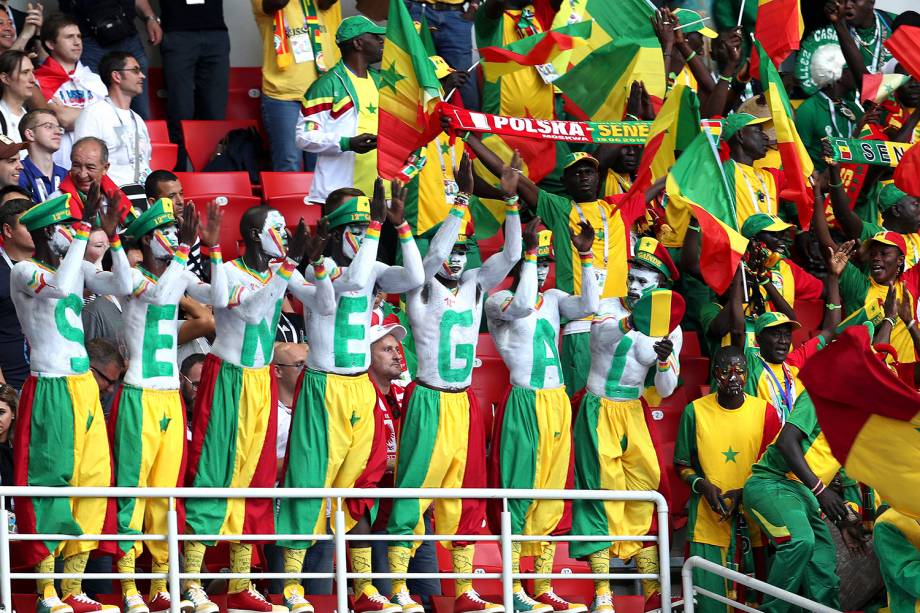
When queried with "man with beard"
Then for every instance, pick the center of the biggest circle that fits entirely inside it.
(615, 450)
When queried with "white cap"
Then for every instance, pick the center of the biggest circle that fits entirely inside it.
(378, 332)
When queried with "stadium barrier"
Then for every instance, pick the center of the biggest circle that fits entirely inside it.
(340, 574)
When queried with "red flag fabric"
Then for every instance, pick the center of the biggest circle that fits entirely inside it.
(904, 44)
(871, 423)
(779, 29)
(907, 172)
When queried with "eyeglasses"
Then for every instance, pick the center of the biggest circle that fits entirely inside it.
(135, 70)
(297, 365)
(108, 382)
(51, 126)
(194, 384)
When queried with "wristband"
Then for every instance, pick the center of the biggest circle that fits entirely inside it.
(287, 268)
(462, 199)
(693, 485)
(404, 231)
(181, 254)
(115, 243)
(624, 325)
(214, 254)
(820, 490)
(319, 269)
(829, 184)
(345, 143)
(587, 259)
(912, 324)
(631, 117)
(512, 199)
(664, 366)
(530, 256)
(725, 79)
(373, 231)
(890, 320)
(832, 307)
(81, 230)
(691, 56)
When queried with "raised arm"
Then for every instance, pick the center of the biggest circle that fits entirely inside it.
(360, 270)
(319, 297)
(667, 368)
(66, 280)
(117, 282)
(836, 13)
(524, 300)
(526, 189)
(399, 279)
(833, 308)
(157, 293)
(497, 267)
(575, 307)
(850, 222)
(444, 239)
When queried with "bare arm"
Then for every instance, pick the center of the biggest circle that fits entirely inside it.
(836, 14)
(526, 189)
(199, 321)
(789, 443)
(496, 268)
(850, 222)
(398, 279)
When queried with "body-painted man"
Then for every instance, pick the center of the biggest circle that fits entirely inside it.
(532, 444)
(337, 436)
(147, 426)
(614, 448)
(60, 430)
(235, 417)
(442, 442)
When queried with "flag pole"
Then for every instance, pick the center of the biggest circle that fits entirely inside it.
(740, 14)
(468, 70)
(692, 23)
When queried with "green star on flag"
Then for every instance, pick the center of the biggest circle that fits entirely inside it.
(445, 148)
(354, 418)
(730, 455)
(164, 423)
(371, 108)
(389, 77)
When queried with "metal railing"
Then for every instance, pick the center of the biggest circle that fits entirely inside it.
(340, 574)
(690, 590)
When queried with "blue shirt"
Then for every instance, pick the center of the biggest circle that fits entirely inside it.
(41, 186)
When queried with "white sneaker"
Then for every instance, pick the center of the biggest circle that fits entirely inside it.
(134, 603)
(602, 604)
(295, 601)
(403, 599)
(199, 599)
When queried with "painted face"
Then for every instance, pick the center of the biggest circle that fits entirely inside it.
(453, 266)
(731, 375)
(274, 237)
(165, 242)
(352, 237)
(638, 281)
(61, 239)
(542, 271)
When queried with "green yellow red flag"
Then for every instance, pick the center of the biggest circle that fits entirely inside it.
(536, 50)
(779, 29)
(409, 93)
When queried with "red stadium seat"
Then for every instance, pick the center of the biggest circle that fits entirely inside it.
(809, 314)
(230, 241)
(486, 348)
(691, 347)
(201, 137)
(220, 183)
(490, 382)
(666, 416)
(158, 130)
(694, 372)
(286, 183)
(156, 93)
(246, 77)
(293, 208)
(163, 156)
(244, 103)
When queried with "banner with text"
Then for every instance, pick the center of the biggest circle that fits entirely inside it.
(874, 152)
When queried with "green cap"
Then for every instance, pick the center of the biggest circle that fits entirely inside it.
(355, 26)
(61, 209)
(762, 222)
(736, 121)
(157, 215)
(773, 319)
(578, 156)
(685, 16)
(889, 195)
(353, 210)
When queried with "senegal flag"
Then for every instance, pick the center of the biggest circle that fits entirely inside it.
(878, 87)
(409, 92)
(534, 50)
(674, 128)
(697, 185)
(904, 44)
(796, 163)
(907, 173)
(779, 29)
(872, 423)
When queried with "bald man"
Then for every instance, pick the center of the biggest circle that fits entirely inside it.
(287, 365)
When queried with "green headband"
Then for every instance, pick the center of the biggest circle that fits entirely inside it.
(353, 210)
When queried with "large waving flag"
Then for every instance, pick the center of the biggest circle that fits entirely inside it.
(779, 29)
(796, 163)
(697, 185)
(599, 84)
(409, 93)
(542, 48)
(907, 172)
(878, 87)
(904, 44)
(873, 422)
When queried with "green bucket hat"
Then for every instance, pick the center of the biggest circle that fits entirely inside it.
(889, 195)
(61, 209)
(157, 215)
(762, 222)
(353, 210)
(355, 26)
(736, 121)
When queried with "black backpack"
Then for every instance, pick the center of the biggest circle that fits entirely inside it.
(107, 21)
(240, 149)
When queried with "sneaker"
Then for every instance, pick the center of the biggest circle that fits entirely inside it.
(603, 603)
(249, 601)
(403, 599)
(652, 602)
(560, 604)
(470, 601)
(49, 602)
(81, 603)
(372, 600)
(294, 600)
(134, 603)
(525, 604)
(196, 595)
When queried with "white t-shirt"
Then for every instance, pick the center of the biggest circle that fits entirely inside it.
(284, 430)
(85, 88)
(125, 134)
(12, 125)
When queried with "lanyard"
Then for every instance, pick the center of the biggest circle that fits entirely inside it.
(603, 213)
(786, 392)
(136, 162)
(837, 132)
(765, 193)
(312, 21)
(876, 53)
(453, 158)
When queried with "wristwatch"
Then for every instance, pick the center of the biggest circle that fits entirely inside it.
(151, 18)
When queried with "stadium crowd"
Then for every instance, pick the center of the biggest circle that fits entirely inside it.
(694, 236)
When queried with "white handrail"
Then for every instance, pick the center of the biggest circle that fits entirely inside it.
(340, 574)
(692, 562)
